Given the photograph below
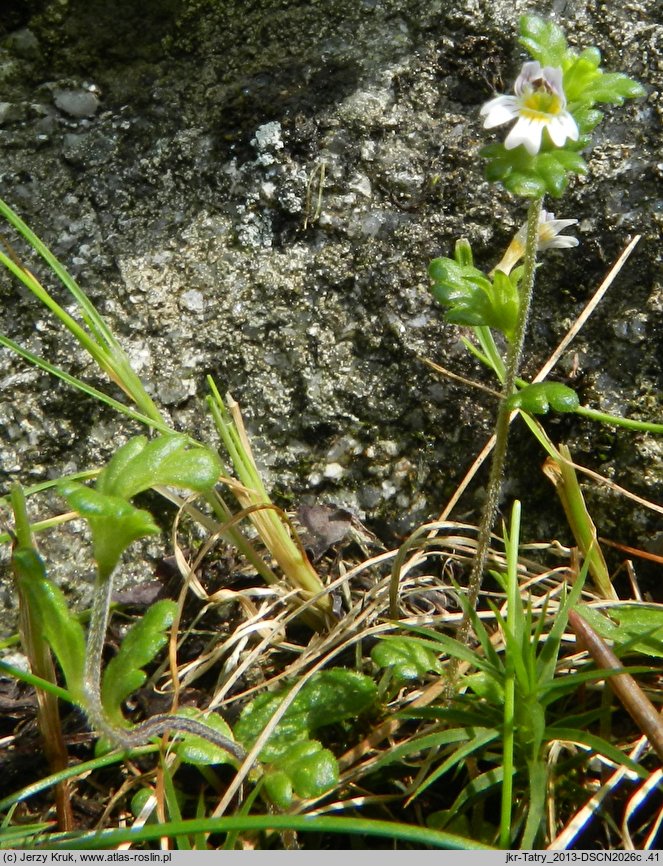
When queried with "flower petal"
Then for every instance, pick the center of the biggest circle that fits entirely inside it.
(530, 71)
(499, 110)
(527, 132)
(553, 76)
(562, 242)
(550, 237)
(562, 127)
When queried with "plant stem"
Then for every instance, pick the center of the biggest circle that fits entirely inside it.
(41, 664)
(508, 737)
(616, 421)
(156, 725)
(513, 359)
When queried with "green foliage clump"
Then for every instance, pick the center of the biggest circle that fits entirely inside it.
(298, 764)
(473, 298)
(585, 84)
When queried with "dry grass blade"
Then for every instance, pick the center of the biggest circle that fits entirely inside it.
(634, 804)
(580, 821)
(565, 481)
(48, 714)
(582, 319)
(273, 526)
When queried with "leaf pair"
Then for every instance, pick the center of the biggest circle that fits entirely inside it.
(114, 524)
(540, 397)
(471, 298)
(138, 465)
(535, 175)
(64, 634)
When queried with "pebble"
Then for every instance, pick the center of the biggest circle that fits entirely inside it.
(76, 103)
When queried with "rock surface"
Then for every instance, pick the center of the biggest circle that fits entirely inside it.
(254, 190)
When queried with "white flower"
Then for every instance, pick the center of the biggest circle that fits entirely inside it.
(549, 238)
(550, 229)
(539, 104)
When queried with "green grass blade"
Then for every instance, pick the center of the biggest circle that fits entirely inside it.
(183, 841)
(512, 627)
(547, 658)
(420, 744)
(392, 830)
(32, 680)
(597, 744)
(82, 386)
(92, 318)
(475, 744)
(537, 802)
(71, 773)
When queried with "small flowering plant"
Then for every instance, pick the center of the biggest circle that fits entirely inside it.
(553, 107)
(551, 115)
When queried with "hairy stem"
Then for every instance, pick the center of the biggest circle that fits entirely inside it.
(513, 359)
(139, 735)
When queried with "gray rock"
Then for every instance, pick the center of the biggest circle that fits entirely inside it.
(259, 199)
(76, 103)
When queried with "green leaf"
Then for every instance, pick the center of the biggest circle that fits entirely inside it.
(114, 523)
(580, 75)
(196, 750)
(109, 479)
(334, 695)
(526, 184)
(167, 460)
(463, 253)
(544, 40)
(329, 697)
(293, 727)
(486, 686)
(611, 87)
(471, 298)
(138, 803)
(306, 770)
(135, 467)
(61, 629)
(539, 398)
(278, 786)
(464, 314)
(553, 173)
(615, 87)
(639, 626)
(456, 278)
(299, 764)
(571, 160)
(408, 658)
(124, 674)
(504, 303)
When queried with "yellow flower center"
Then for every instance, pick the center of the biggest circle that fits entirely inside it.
(541, 103)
